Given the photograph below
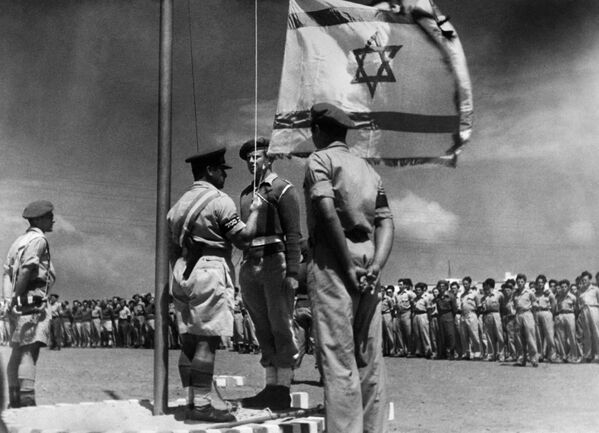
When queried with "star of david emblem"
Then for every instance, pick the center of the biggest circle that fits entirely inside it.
(384, 74)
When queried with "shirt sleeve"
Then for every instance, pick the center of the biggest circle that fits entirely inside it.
(318, 178)
(289, 212)
(228, 218)
(382, 210)
(33, 252)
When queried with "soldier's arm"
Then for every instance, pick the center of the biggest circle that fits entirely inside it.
(289, 216)
(326, 214)
(30, 262)
(242, 238)
(383, 234)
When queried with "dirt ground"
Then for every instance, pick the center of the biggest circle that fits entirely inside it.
(429, 396)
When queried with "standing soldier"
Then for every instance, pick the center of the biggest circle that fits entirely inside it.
(544, 309)
(55, 323)
(565, 323)
(469, 337)
(67, 324)
(268, 273)
(237, 339)
(203, 224)
(403, 303)
(508, 312)
(387, 308)
(446, 310)
(490, 305)
(351, 231)
(421, 309)
(28, 277)
(524, 299)
(588, 300)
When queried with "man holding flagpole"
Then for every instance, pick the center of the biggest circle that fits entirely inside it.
(351, 233)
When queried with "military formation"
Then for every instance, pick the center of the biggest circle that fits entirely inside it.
(518, 321)
(319, 292)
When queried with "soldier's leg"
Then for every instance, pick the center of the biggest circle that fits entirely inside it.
(333, 309)
(369, 359)
(279, 304)
(12, 372)
(254, 298)
(530, 331)
(500, 355)
(569, 327)
(29, 357)
(489, 332)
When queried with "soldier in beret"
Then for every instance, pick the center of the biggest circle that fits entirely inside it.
(203, 226)
(28, 277)
(268, 274)
(351, 233)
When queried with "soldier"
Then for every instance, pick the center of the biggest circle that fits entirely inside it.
(523, 300)
(490, 305)
(454, 288)
(469, 321)
(238, 307)
(446, 310)
(421, 309)
(55, 323)
(544, 310)
(565, 322)
(508, 314)
(351, 233)
(28, 278)
(67, 324)
(403, 304)
(203, 224)
(387, 308)
(268, 273)
(588, 301)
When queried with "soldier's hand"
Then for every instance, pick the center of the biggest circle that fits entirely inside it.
(357, 276)
(290, 283)
(258, 202)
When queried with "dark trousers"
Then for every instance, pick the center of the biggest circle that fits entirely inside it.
(55, 333)
(446, 343)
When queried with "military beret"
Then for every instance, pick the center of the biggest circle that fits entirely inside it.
(54, 295)
(324, 113)
(260, 143)
(213, 158)
(37, 209)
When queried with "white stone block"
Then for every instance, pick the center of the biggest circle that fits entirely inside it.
(299, 400)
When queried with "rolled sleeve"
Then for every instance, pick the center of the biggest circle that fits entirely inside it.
(229, 220)
(319, 178)
(33, 252)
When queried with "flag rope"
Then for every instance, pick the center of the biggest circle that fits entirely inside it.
(193, 78)
(255, 87)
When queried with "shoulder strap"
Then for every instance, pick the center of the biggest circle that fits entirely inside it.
(193, 211)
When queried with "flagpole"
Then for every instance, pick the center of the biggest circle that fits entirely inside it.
(163, 204)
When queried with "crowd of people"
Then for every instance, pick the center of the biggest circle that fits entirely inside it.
(517, 321)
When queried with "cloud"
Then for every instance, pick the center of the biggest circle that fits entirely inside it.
(581, 232)
(244, 111)
(419, 219)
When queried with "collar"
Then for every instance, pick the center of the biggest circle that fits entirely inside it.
(35, 229)
(335, 145)
(204, 184)
(269, 179)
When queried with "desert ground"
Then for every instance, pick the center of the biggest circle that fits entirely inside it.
(428, 396)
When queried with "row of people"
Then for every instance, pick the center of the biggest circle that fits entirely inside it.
(554, 321)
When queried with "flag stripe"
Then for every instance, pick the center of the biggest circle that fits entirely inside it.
(387, 120)
(334, 17)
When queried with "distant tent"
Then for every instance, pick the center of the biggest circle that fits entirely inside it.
(402, 77)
